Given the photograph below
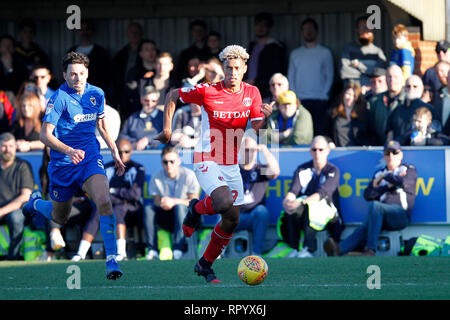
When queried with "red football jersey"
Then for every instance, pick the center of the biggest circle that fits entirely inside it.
(224, 119)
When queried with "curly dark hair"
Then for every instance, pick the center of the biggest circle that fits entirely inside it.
(74, 58)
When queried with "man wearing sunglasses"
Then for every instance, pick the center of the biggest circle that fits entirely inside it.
(312, 201)
(391, 195)
(172, 188)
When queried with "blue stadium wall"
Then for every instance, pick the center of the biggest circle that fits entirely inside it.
(357, 166)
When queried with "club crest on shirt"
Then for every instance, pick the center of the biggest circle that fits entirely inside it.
(92, 101)
(247, 102)
(49, 108)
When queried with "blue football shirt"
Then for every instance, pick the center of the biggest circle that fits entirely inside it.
(75, 119)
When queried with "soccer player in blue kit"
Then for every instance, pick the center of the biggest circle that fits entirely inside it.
(72, 114)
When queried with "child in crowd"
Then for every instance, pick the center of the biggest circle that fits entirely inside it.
(403, 54)
(422, 133)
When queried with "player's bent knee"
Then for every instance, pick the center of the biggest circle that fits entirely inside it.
(105, 208)
(60, 220)
(231, 218)
(223, 205)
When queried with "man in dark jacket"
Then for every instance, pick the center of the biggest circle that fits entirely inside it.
(254, 215)
(312, 202)
(142, 126)
(391, 194)
(123, 61)
(267, 55)
(99, 57)
(442, 104)
(382, 105)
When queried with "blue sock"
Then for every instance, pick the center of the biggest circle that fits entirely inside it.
(44, 207)
(108, 231)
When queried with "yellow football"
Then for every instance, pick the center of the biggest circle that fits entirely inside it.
(253, 270)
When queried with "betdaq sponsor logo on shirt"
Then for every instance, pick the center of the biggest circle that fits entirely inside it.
(85, 117)
(231, 114)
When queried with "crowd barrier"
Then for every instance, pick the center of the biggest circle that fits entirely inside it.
(356, 164)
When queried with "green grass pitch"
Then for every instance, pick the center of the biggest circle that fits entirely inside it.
(338, 278)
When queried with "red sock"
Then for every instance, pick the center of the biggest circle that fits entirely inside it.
(204, 206)
(219, 241)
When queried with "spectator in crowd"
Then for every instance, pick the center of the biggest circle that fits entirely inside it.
(378, 84)
(359, 58)
(126, 196)
(349, 118)
(430, 79)
(312, 202)
(254, 215)
(30, 87)
(124, 60)
(213, 70)
(7, 113)
(433, 96)
(114, 123)
(30, 54)
(172, 189)
(41, 75)
(391, 194)
(142, 126)
(198, 48)
(99, 58)
(210, 71)
(403, 52)
(278, 84)
(16, 185)
(381, 106)
(267, 55)
(187, 126)
(400, 120)
(422, 132)
(442, 105)
(27, 127)
(311, 74)
(79, 214)
(12, 71)
(214, 43)
(442, 68)
(137, 76)
(291, 124)
(196, 72)
(163, 80)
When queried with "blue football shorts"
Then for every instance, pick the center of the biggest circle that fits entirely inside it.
(65, 181)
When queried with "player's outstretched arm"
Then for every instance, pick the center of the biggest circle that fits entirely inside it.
(102, 126)
(47, 137)
(169, 109)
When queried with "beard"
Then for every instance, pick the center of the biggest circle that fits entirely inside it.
(6, 157)
(412, 96)
(364, 41)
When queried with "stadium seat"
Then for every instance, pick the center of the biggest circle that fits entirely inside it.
(240, 245)
(389, 243)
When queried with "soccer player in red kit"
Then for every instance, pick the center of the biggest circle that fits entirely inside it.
(226, 108)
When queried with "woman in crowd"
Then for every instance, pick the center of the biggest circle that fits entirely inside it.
(349, 123)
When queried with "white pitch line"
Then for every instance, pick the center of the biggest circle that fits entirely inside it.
(146, 287)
